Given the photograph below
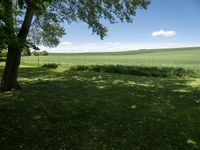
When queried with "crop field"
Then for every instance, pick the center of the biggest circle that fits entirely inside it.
(183, 57)
(136, 100)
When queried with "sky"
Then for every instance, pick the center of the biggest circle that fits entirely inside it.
(165, 24)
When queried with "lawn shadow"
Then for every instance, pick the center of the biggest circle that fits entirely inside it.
(89, 110)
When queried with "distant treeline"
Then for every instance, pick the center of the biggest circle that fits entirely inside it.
(25, 52)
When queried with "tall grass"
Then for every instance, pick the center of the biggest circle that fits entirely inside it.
(140, 70)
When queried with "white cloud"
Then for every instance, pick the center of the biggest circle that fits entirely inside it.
(164, 33)
(71, 47)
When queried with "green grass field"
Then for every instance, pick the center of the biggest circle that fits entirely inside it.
(184, 57)
(82, 109)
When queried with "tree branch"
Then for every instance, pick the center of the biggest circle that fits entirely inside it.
(23, 33)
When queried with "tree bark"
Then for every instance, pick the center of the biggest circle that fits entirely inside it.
(10, 74)
(9, 79)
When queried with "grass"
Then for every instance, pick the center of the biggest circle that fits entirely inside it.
(186, 58)
(140, 70)
(62, 108)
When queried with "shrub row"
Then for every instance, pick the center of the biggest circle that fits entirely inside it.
(140, 70)
(50, 65)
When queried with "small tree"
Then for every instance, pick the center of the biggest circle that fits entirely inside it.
(35, 53)
(39, 22)
(43, 53)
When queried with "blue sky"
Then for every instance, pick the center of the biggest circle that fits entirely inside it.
(174, 23)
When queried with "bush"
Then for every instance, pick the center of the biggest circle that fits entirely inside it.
(43, 53)
(35, 53)
(3, 53)
(53, 66)
(26, 52)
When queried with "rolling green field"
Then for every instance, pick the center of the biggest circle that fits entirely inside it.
(184, 57)
(114, 107)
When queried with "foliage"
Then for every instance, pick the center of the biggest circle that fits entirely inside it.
(26, 52)
(47, 17)
(140, 71)
(39, 22)
(37, 53)
(44, 53)
(3, 53)
(50, 65)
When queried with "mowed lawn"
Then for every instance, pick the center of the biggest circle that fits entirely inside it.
(84, 110)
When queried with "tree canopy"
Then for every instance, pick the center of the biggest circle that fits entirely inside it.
(49, 17)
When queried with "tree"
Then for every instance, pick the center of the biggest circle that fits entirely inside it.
(36, 22)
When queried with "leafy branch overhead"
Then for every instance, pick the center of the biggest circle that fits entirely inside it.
(50, 15)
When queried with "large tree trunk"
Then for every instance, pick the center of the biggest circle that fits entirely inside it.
(9, 79)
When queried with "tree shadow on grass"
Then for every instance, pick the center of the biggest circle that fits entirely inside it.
(88, 110)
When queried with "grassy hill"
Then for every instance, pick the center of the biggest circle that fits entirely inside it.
(105, 108)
